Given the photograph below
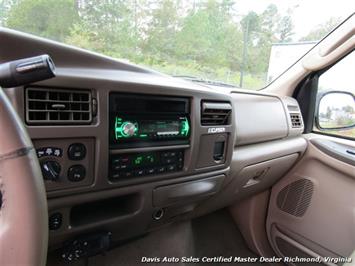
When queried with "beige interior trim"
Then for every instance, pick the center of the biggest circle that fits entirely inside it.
(250, 217)
(336, 45)
(329, 218)
(316, 61)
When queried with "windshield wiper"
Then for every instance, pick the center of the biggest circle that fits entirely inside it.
(206, 81)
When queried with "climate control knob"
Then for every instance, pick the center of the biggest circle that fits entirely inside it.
(50, 170)
(128, 129)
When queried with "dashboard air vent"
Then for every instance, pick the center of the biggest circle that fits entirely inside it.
(296, 120)
(293, 108)
(215, 113)
(45, 106)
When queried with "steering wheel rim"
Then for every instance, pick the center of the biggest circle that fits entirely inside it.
(23, 212)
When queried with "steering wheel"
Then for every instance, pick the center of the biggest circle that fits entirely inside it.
(23, 203)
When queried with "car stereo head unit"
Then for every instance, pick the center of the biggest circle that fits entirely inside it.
(160, 129)
(141, 120)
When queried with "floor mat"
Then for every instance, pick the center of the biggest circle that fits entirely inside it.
(210, 236)
(216, 235)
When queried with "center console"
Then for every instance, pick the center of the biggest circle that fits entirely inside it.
(139, 122)
(126, 156)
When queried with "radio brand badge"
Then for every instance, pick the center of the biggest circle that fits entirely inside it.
(216, 130)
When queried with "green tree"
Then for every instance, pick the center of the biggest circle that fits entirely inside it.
(161, 30)
(322, 30)
(107, 25)
(348, 109)
(5, 6)
(285, 28)
(47, 18)
(266, 36)
(251, 28)
(328, 114)
(209, 36)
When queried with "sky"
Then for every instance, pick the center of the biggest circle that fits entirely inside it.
(345, 70)
(307, 13)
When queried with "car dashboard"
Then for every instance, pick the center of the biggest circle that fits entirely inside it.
(126, 150)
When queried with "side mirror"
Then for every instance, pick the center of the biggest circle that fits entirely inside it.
(336, 111)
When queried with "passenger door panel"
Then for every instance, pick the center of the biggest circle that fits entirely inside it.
(312, 209)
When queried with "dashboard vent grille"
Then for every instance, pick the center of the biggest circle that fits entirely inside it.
(58, 106)
(296, 120)
(214, 113)
(293, 108)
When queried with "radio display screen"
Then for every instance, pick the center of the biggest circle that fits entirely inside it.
(161, 127)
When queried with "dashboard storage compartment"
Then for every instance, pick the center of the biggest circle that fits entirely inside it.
(266, 173)
(102, 210)
(183, 193)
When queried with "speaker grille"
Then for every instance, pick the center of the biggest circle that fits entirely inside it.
(296, 197)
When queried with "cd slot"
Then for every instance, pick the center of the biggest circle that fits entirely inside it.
(148, 104)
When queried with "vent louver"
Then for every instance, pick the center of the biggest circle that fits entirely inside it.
(296, 120)
(58, 106)
(214, 113)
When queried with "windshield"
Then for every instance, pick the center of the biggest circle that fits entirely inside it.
(245, 43)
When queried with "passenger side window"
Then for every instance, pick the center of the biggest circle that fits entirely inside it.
(335, 108)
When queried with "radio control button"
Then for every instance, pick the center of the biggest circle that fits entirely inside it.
(161, 169)
(76, 173)
(119, 167)
(150, 171)
(138, 172)
(116, 161)
(165, 154)
(116, 175)
(76, 151)
(128, 129)
(168, 160)
(127, 174)
(171, 167)
(120, 160)
(124, 160)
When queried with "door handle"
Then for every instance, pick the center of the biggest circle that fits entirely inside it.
(339, 151)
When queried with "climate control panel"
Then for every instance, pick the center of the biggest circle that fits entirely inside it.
(66, 163)
(125, 166)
